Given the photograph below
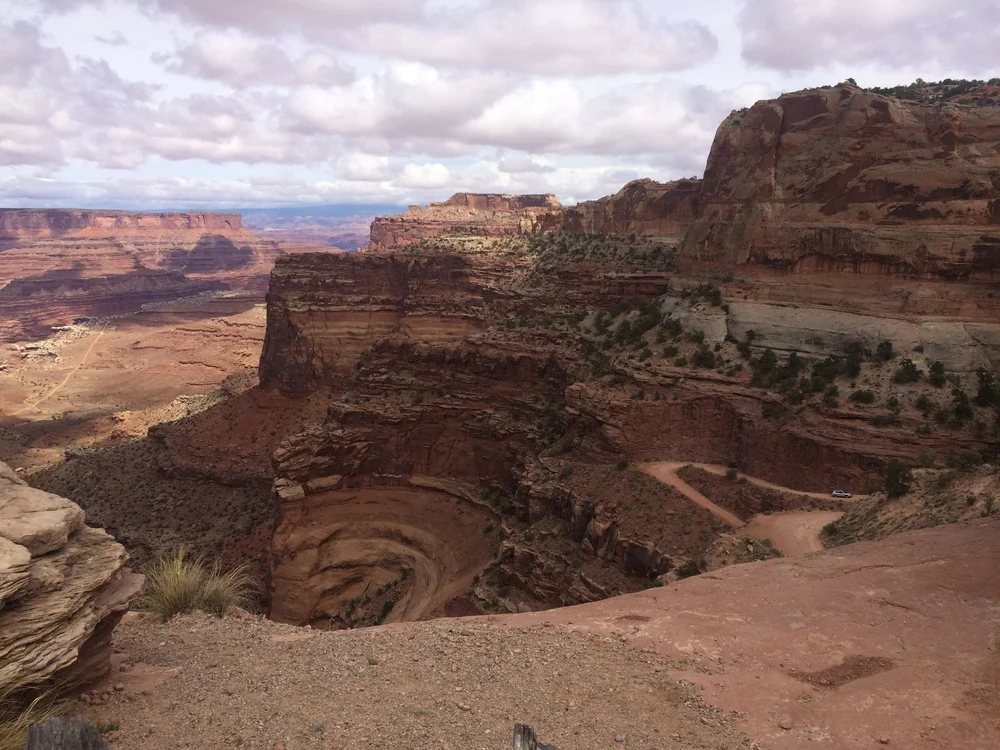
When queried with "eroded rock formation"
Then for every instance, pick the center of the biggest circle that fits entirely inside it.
(644, 207)
(464, 215)
(63, 588)
(840, 179)
(57, 265)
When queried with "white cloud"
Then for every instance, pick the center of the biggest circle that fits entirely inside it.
(240, 60)
(907, 33)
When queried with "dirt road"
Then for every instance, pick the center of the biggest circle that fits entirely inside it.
(666, 472)
(795, 532)
(53, 391)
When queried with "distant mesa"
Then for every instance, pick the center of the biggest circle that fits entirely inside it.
(464, 215)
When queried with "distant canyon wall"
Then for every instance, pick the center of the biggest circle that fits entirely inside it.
(485, 215)
(57, 265)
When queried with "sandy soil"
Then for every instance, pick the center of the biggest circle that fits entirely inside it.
(91, 385)
(795, 532)
(890, 643)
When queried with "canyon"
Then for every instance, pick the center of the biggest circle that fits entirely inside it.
(493, 407)
(57, 266)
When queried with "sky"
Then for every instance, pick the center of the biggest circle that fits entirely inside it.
(240, 103)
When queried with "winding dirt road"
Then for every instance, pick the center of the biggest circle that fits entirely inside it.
(55, 389)
(793, 532)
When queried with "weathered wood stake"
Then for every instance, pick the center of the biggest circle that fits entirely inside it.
(65, 734)
(525, 739)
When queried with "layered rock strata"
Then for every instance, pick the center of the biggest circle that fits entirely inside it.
(643, 207)
(57, 265)
(63, 588)
(840, 179)
(464, 215)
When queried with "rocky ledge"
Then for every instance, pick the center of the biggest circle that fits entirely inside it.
(63, 588)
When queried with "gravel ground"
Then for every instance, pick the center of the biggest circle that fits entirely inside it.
(202, 682)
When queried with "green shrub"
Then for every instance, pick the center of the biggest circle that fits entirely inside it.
(908, 372)
(937, 376)
(622, 465)
(176, 584)
(926, 460)
(964, 460)
(771, 411)
(688, 569)
(884, 351)
(681, 361)
(863, 396)
(897, 479)
(670, 351)
(960, 405)
(830, 396)
(703, 357)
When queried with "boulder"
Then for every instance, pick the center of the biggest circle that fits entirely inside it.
(63, 588)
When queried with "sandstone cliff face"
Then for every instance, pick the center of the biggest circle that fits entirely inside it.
(464, 215)
(56, 265)
(642, 207)
(839, 179)
(63, 588)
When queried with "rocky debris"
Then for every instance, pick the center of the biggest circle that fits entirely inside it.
(444, 683)
(464, 215)
(642, 207)
(63, 587)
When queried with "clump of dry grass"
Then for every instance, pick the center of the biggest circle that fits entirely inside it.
(176, 583)
(17, 714)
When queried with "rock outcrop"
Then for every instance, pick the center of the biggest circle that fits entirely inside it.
(464, 215)
(840, 179)
(643, 207)
(63, 588)
(57, 265)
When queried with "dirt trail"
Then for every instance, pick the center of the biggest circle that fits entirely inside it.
(55, 389)
(666, 472)
(795, 532)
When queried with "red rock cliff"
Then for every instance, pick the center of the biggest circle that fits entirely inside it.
(843, 179)
(57, 265)
(463, 215)
(642, 207)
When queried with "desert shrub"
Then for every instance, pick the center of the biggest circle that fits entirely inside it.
(989, 388)
(732, 474)
(688, 569)
(703, 357)
(670, 351)
(681, 361)
(960, 405)
(937, 376)
(830, 396)
(771, 411)
(897, 479)
(885, 420)
(176, 584)
(926, 460)
(964, 460)
(794, 397)
(566, 472)
(17, 713)
(884, 351)
(697, 337)
(893, 403)
(923, 403)
(622, 465)
(908, 372)
(863, 396)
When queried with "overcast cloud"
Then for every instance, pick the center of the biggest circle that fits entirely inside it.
(155, 103)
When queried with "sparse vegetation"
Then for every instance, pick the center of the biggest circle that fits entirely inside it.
(18, 712)
(898, 479)
(176, 583)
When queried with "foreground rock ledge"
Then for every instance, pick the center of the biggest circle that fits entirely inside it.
(63, 588)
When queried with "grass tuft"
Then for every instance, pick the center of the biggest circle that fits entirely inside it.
(176, 584)
(17, 714)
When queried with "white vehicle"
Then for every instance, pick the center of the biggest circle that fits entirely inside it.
(842, 493)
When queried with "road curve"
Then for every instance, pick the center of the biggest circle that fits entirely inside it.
(666, 472)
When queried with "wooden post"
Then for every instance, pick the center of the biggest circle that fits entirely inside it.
(525, 739)
(65, 734)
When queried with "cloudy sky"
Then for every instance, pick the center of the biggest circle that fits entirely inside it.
(171, 103)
